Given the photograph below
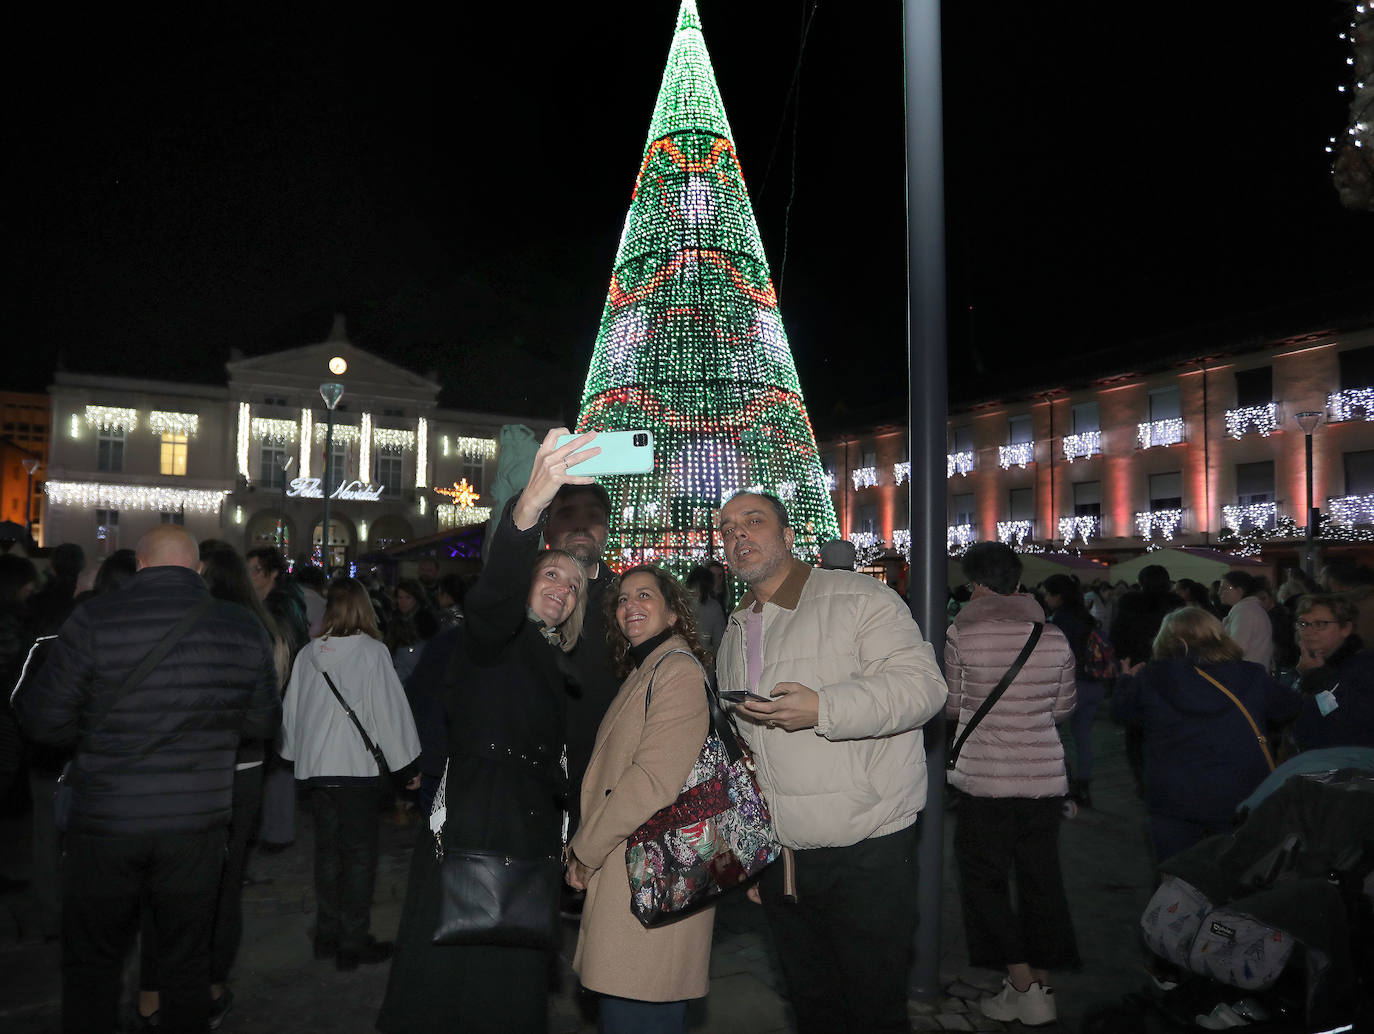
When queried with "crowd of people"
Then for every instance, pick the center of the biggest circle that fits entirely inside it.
(170, 715)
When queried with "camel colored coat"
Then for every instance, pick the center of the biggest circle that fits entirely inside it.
(638, 766)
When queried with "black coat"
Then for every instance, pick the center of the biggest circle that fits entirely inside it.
(505, 699)
(161, 758)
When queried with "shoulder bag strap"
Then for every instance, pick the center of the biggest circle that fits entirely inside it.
(720, 722)
(155, 657)
(372, 748)
(1263, 740)
(997, 691)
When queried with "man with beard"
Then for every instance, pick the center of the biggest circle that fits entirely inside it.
(848, 681)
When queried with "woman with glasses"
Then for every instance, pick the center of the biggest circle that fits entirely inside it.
(1335, 675)
(1202, 757)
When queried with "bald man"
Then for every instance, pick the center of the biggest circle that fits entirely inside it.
(155, 685)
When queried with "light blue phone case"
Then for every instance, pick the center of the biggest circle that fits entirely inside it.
(622, 452)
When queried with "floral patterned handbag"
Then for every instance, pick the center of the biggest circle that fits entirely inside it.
(715, 836)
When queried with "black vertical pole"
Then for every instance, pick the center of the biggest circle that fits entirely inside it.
(925, 192)
(1309, 562)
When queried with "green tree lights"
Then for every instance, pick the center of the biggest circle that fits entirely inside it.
(691, 343)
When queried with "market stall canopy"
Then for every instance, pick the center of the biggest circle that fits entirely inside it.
(1036, 567)
(1195, 562)
(449, 544)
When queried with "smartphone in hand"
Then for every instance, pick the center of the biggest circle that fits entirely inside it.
(622, 452)
(739, 696)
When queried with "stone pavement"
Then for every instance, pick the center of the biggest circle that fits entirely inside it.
(279, 987)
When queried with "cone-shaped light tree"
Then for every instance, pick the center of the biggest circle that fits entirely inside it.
(691, 344)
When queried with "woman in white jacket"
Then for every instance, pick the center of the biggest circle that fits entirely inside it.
(334, 761)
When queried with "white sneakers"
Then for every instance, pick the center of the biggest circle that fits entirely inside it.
(1034, 1006)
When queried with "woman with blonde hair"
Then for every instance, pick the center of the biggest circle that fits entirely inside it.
(1196, 700)
(644, 751)
(505, 786)
(343, 696)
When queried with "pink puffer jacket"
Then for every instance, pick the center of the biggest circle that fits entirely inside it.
(1015, 751)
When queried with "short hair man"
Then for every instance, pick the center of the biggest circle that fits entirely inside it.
(152, 795)
(841, 759)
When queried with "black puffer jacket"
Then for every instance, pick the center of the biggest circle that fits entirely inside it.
(161, 759)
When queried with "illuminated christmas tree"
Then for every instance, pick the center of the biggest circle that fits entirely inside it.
(691, 344)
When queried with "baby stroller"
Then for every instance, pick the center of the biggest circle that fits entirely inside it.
(1272, 927)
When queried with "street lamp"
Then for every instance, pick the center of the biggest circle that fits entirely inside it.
(331, 393)
(284, 461)
(31, 464)
(1308, 421)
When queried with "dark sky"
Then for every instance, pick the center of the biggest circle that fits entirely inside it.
(185, 181)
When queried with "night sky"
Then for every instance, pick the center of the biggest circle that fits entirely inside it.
(186, 180)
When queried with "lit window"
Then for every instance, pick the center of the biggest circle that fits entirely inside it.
(173, 453)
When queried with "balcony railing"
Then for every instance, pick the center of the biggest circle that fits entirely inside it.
(1350, 510)
(1015, 532)
(1165, 522)
(959, 536)
(1254, 515)
(1017, 455)
(1343, 405)
(1159, 432)
(955, 463)
(1081, 446)
(1262, 419)
(864, 477)
(1086, 528)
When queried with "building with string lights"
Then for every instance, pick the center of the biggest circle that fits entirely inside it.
(245, 461)
(1204, 450)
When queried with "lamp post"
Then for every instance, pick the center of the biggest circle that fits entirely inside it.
(1308, 421)
(31, 464)
(331, 393)
(284, 461)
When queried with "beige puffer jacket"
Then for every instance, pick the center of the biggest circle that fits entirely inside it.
(861, 772)
(1015, 750)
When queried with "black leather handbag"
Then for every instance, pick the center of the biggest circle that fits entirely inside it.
(488, 898)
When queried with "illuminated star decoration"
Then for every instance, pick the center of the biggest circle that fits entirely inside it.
(691, 344)
(461, 493)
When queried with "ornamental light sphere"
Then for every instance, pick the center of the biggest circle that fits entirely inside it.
(338, 366)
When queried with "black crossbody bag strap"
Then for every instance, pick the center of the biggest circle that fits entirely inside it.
(997, 692)
(373, 749)
(155, 657)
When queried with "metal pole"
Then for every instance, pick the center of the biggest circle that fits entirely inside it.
(1310, 559)
(328, 464)
(926, 359)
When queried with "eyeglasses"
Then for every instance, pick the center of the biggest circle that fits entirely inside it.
(1303, 626)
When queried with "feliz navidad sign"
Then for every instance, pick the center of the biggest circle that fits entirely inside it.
(359, 491)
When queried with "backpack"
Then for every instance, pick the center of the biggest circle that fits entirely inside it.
(1099, 659)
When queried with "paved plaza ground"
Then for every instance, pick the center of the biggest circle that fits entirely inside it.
(278, 986)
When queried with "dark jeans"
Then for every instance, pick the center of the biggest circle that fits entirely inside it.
(846, 944)
(1089, 695)
(346, 834)
(995, 837)
(45, 880)
(106, 881)
(631, 1016)
(227, 931)
(278, 801)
